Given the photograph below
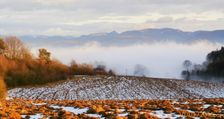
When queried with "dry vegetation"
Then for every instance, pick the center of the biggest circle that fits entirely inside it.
(19, 67)
(113, 109)
(2, 88)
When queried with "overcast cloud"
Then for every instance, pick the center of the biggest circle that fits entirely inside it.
(77, 17)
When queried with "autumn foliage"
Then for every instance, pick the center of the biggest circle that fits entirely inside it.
(87, 69)
(2, 88)
(19, 67)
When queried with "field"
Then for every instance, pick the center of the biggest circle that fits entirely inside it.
(116, 97)
(113, 109)
(120, 88)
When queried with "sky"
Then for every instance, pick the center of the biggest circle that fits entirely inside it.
(78, 17)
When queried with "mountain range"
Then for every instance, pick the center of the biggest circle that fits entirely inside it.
(127, 37)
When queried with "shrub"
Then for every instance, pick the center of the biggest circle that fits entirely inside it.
(19, 67)
(3, 89)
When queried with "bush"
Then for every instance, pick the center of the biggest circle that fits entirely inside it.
(19, 67)
(3, 89)
(34, 73)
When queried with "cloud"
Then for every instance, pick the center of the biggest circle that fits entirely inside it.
(77, 17)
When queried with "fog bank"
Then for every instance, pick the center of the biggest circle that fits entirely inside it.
(162, 59)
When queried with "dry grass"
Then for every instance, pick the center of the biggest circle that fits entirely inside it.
(112, 109)
(3, 89)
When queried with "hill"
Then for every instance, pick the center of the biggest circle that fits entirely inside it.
(127, 37)
(120, 87)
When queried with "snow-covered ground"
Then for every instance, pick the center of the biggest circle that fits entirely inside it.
(119, 87)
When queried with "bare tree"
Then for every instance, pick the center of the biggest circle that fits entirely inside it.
(187, 64)
(140, 70)
(44, 56)
(2, 46)
(100, 69)
(111, 72)
(15, 49)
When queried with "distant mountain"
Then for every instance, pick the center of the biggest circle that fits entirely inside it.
(128, 37)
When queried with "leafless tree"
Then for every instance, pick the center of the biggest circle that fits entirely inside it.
(44, 56)
(140, 70)
(15, 48)
(187, 64)
(2, 46)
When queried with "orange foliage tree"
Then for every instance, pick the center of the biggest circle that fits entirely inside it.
(19, 67)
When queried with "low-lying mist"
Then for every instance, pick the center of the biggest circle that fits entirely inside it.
(159, 59)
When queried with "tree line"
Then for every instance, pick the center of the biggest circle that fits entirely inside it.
(19, 67)
(212, 67)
